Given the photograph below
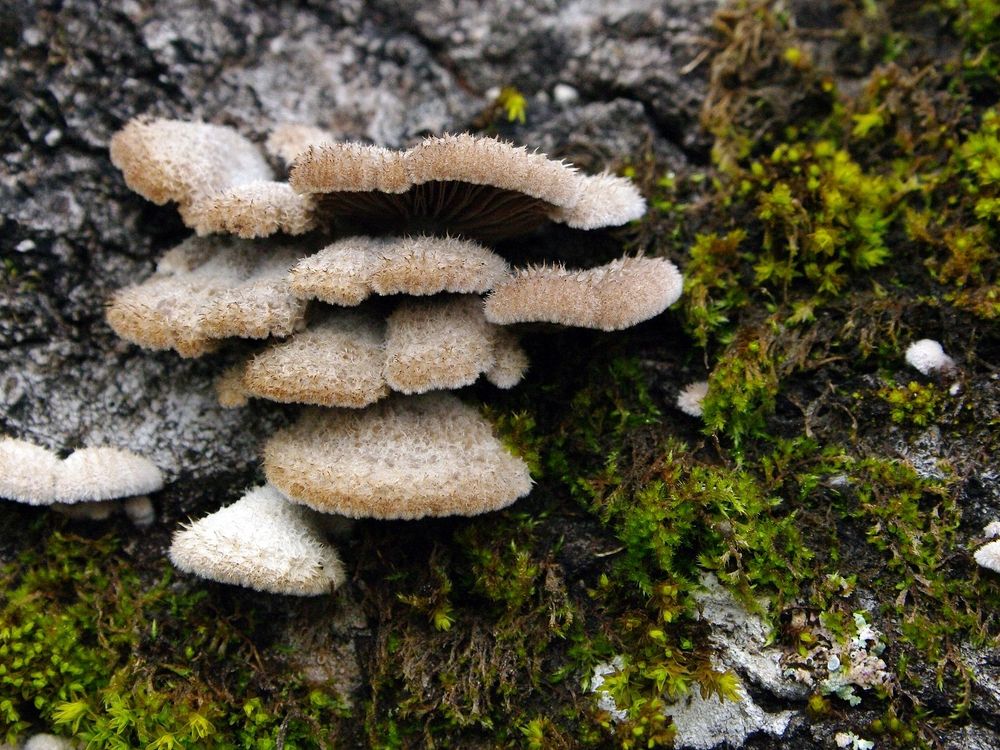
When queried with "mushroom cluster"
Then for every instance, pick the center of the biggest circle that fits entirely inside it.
(367, 318)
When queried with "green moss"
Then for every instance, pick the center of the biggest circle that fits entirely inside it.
(96, 649)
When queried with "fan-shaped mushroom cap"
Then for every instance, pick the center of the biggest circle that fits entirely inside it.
(288, 140)
(469, 185)
(610, 297)
(437, 344)
(334, 363)
(411, 457)
(256, 209)
(348, 271)
(34, 475)
(263, 542)
(207, 289)
(928, 356)
(185, 162)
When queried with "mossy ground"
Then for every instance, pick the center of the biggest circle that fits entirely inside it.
(850, 206)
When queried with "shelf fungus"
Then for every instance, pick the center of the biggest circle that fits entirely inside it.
(379, 310)
(262, 542)
(412, 457)
(86, 484)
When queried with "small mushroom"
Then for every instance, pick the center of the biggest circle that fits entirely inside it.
(349, 270)
(257, 209)
(690, 398)
(82, 485)
(610, 297)
(207, 289)
(412, 457)
(928, 357)
(988, 556)
(262, 542)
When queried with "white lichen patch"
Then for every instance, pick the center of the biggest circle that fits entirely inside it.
(704, 723)
(605, 700)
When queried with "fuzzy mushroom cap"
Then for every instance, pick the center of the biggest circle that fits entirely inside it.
(36, 476)
(337, 362)
(438, 344)
(988, 556)
(208, 289)
(255, 209)
(184, 162)
(928, 357)
(348, 271)
(468, 185)
(350, 359)
(262, 542)
(411, 457)
(610, 297)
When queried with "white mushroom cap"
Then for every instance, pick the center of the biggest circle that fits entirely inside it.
(928, 357)
(988, 556)
(690, 398)
(34, 475)
(427, 455)
(610, 297)
(262, 542)
(604, 200)
(991, 530)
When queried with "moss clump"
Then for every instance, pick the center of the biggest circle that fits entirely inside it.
(120, 657)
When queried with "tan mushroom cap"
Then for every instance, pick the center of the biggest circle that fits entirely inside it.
(350, 359)
(263, 542)
(36, 476)
(410, 457)
(337, 362)
(207, 289)
(469, 185)
(185, 162)
(349, 270)
(610, 297)
(289, 140)
(255, 209)
(437, 344)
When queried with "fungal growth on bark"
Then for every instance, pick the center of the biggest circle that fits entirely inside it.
(371, 329)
